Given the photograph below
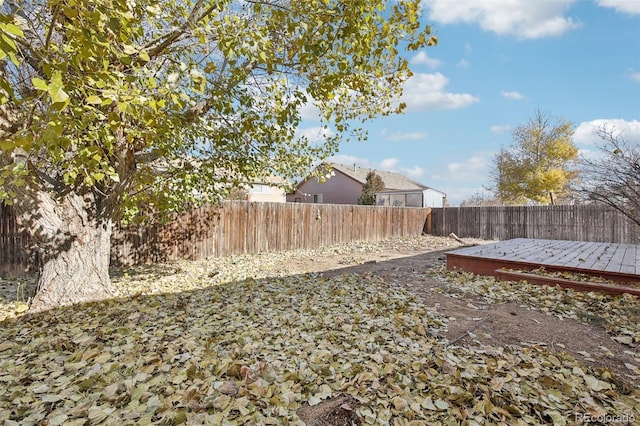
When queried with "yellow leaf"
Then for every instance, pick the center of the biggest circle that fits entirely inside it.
(21, 307)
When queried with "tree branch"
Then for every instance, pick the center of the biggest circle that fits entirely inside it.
(174, 35)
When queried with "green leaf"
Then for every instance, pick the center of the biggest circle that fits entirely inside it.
(56, 91)
(12, 29)
(7, 145)
(113, 174)
(93, 100)
(122, 106)
(40, 84)
(129, 49)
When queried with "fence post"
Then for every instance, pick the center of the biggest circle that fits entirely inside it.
(444, 215)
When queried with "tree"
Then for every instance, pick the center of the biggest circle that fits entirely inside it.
(540, 165)
(373, 184)
(478, 200)
(238, 193)
(614, 177)
(123, 107)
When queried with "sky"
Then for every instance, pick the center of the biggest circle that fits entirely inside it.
(496, 63)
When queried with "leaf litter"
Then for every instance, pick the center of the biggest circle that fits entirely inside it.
(619, 315)
(227, 341)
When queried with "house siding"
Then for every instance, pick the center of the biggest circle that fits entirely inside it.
(337, 189)
(432, 198)
(273, 194)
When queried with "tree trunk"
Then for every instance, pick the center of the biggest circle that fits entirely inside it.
(74, 245)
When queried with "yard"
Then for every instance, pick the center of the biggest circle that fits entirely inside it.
(382, 328)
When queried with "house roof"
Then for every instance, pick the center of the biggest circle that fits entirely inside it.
(391, 180)
(409, 191)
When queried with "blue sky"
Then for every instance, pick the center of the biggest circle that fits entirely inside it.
(496, 62)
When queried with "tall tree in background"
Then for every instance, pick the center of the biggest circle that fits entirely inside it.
(614, 177)
(108, 107)
(540, 165)
(373, 184)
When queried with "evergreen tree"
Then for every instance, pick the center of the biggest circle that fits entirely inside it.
(373, 184)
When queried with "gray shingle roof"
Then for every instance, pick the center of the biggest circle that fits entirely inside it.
(391, 180)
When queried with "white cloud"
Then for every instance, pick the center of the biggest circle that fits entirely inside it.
(584, 133)
(315, 134)
(308, 111)
(635, 76)
(460, 179)
(468, 48)
(525, 19)
(473, 164)
(623, 6)
(500, 128)
(463, 63)
(424, 92)
(350, 159)
(388, 163)
(473, 169)
(415, 172)
(403, 136)
(422, 58)
(391, 165)
(511, 95)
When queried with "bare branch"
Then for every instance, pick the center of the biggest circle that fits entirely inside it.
(614, 177)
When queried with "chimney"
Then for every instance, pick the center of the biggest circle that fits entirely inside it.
(354, 167)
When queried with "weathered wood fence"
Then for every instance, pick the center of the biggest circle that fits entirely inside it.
(240, 227)
(15, 255)
(576, 223)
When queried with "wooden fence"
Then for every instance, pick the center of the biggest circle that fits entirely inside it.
(238, 227)
(15, 255)
(576, 223)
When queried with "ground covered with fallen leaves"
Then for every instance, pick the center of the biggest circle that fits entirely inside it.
(252, 339)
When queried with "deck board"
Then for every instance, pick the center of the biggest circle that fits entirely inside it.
(613, 261)
(547, 252)
(575, 255)
(592, 260)
(629, 265)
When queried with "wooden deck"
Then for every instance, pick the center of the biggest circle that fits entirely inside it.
(610, 261)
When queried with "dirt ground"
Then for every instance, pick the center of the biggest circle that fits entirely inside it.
(470, 319)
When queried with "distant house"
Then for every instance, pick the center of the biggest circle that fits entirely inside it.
(267, 190)
(263, 188)
(343, 185)
(428, 197)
